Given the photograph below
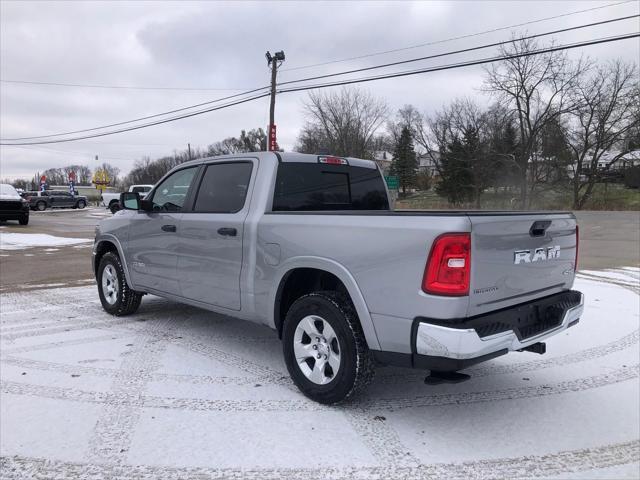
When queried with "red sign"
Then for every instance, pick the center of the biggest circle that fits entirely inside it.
(273, 144)
(72, 176)
(43, 179)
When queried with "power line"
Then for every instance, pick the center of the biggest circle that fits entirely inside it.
(316, 78)
(358, 80)
(464, 50)
(465, 64)
(137, 127)
(135, 119)
(119, 87)
(461, 37)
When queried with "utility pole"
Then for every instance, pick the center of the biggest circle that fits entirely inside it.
(274, 61)
(189, 150)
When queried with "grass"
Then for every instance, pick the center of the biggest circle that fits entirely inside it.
(609, 197)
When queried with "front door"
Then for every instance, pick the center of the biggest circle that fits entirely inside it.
(210, 259)
(152, 252)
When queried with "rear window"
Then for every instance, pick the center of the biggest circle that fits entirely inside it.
(314, 186)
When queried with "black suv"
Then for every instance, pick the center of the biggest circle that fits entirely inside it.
(12, 207)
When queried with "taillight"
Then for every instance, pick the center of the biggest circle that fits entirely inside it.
(333, 160)
(449, 266)
(575, 265)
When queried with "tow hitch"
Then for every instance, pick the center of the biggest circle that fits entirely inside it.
(539, 347)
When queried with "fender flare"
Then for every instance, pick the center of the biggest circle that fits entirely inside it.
(337, 269)
(112, 239)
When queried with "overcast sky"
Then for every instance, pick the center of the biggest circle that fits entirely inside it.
(220, 45)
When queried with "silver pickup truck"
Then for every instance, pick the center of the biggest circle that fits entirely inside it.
(309, 246)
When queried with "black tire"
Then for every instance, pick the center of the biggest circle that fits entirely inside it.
(357, 367)
(81, 204)
(128, 300)
(41, 206)
(114, 206)
(24, 220)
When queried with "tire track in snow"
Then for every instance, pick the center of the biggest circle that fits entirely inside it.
(366, 405)
(524, 467)
(111, 436)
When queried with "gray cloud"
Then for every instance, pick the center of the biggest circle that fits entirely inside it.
(222, 45)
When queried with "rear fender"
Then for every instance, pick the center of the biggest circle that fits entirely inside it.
(345, 277)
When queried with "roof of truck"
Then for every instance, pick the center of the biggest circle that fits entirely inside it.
(293, 157)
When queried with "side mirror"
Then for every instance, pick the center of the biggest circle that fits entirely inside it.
(130, 201)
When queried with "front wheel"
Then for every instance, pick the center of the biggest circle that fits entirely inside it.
(114, 207)
(324, 348)
(116, 296)
(24, 220)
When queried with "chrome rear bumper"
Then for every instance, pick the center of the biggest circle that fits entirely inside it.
(465, 343)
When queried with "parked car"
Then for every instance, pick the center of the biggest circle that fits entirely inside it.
(64, 199)
(308, 245)
(112, 200)
(37, 200)
(12, 205)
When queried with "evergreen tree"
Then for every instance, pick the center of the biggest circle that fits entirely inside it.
(456, 182)
(405, 162)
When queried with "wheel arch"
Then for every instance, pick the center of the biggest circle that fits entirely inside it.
(300, 276)
(105, 245)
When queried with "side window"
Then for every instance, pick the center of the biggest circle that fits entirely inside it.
(170, 195)
(224, 188)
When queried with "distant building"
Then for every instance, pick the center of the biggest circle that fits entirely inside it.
(427, 163)
(630, 159)
(383, 159)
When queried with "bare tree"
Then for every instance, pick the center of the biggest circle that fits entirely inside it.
(343, 123)
(608, 111)
(537, 89)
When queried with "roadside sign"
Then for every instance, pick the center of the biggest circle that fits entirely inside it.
(273, 144)
(392, 182)
(43, 183)
(101, 179)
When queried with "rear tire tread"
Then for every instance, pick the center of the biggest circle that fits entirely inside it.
(365, 364)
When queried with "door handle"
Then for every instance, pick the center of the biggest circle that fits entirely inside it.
(228, 232)
(168, 228)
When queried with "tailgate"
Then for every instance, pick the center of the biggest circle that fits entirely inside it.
(519, 257)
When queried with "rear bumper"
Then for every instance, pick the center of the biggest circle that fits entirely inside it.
(456, 344)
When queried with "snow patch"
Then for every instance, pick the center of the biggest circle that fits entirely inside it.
(20, 241)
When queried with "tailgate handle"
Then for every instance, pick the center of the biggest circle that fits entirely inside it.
(539, 228)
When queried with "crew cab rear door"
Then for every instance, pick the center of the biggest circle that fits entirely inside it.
(518, 257)
(211, 234)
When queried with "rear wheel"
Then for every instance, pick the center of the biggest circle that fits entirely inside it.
(41, 206)
(324, 348)
(81, 204)
(116, 296)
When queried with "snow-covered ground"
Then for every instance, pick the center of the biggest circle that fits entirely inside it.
(20, 241)
(177, 392)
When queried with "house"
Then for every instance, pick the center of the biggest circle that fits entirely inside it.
(383, 159)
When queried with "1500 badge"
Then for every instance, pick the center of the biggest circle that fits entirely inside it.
(538, 255)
